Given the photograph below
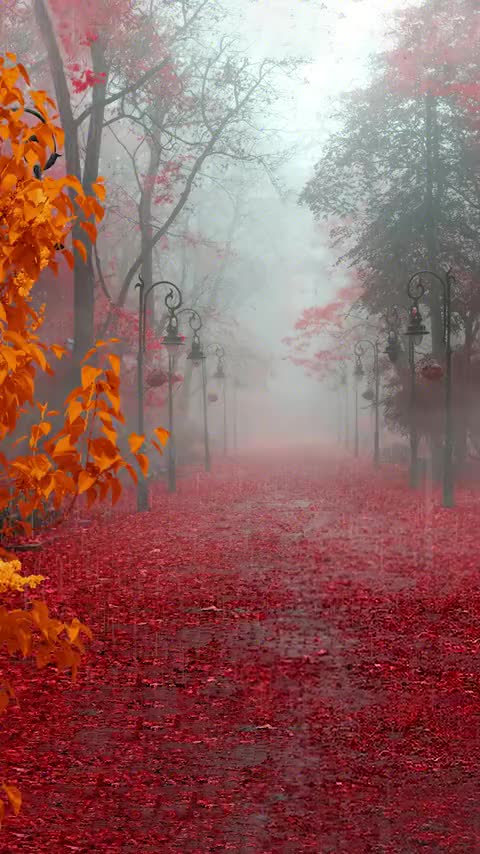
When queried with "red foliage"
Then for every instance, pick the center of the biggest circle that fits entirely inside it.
(294, 673)
(438, 50)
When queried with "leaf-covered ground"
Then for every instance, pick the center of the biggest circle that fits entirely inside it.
(285, 660)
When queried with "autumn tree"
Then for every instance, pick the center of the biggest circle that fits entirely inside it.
(63, 457)
(98, 53)
(398, 180)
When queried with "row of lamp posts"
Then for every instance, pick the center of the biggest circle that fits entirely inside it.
(173, 341)
(416, 330)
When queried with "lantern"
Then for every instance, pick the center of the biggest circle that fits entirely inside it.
(157, 378)
(432, 371)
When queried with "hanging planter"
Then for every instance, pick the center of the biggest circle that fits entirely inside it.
(368, 394)
(432, 371)
(212, 398)
(157, 378)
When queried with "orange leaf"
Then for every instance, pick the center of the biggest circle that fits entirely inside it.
(71, 181)
(14, 795)
(69, 258)
(135, 441)
(91, 230)
(85, 481)
(142, 461)
(162, 435)
(115, 363)
(4, 700)
(99, 190)
(116, 489)
(89, 375)
(81, 249)
(57, 351)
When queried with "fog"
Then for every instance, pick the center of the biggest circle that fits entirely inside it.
(240, 426)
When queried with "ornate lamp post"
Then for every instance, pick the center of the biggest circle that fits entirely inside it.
(236, 385)
(221, 377)
(393, 351)
(37, 169)
(198, 357)
(358, 374)
(359, 352)
(172, 341)
(343, 384)
(416, 330)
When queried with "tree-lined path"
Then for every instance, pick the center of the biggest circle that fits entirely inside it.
(284, 659)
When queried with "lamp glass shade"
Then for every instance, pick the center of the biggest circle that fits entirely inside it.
(219, 373)
(172, 343)
(196, 355)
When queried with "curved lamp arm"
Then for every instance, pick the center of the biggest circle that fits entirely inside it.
(54, 155)
(173, 301)
(416, 291)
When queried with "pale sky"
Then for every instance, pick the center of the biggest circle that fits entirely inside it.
(338, 36)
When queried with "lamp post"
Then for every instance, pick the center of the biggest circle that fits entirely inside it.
(343, 384)
(236, 385)
(37, 169)
(221, 377)
(172, 342)
(416, 330)
(358, 373)
(393, 351)
(359, 352)
(198, 357)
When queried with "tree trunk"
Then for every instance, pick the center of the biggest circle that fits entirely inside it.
(431, 202)
(83, 276)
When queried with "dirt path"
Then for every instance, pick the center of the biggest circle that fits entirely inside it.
(279, 666)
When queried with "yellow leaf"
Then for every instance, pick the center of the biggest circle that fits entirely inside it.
(14, 795)
(135, 441)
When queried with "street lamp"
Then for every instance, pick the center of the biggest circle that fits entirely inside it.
(236, 386)
(221, 377)
(358, 374)
(417, 329)
(172, 342)
(359, 352)
(37, 169)
(198, 357)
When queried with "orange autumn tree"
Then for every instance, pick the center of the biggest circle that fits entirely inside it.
(81, 455)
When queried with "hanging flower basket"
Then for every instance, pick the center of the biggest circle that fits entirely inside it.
(432, 371)
(157, 378)
(368, 394)
(212, 398)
